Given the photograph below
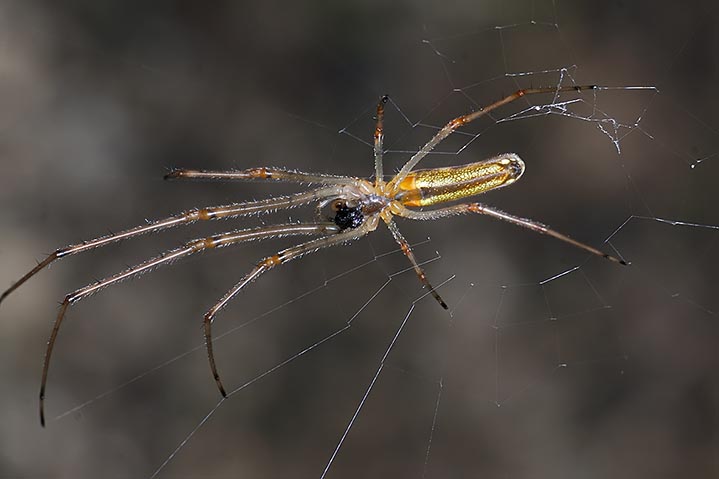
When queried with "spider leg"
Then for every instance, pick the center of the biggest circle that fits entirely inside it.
(228, 211)
(407, 250)
(191, 247)
(276, 174)
(501, 215)
(450, 127)
(378, 141)
(267, 264)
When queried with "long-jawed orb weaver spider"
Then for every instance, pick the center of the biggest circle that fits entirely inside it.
(358, 207)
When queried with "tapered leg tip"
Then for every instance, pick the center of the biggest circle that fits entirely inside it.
(615, 259)
(220, 386)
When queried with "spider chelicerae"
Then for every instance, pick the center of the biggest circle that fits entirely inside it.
(357, 204)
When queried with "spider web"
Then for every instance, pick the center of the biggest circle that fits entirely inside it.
(549, 363)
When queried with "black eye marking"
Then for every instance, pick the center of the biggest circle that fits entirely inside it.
(348, 217)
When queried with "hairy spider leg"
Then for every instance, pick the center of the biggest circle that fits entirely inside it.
(378, 142)
(407, 250)
(267, 264)
(203, 214)
(191, 247)
(450, 127)
(262, 173)
(500, 215)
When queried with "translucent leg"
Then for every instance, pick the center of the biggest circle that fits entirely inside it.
(500, 215)
(267, 264)
(228, 211)
(378, 142)
(450, 127)
(407, 250)
(217, 241)
(275, 174)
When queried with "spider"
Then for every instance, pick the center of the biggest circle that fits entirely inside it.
(358, 206)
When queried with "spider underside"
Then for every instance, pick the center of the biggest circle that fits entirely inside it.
(358, 206)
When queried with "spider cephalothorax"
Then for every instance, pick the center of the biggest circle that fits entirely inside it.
(358, 206)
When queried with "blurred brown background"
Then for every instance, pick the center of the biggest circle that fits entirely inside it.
(602, 372)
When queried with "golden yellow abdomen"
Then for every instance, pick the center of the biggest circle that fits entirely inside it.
(440, 185)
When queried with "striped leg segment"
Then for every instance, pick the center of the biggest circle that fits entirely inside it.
(203, 214)
(195, 246)
(501, 215)
(265, 265)
(407, 250)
